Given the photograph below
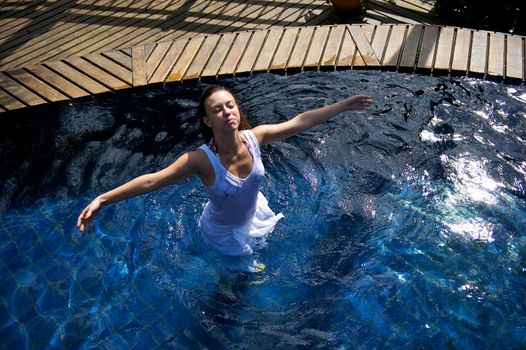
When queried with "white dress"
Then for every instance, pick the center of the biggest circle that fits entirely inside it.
(237, 213)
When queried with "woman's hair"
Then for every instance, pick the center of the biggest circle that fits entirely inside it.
(206, 131)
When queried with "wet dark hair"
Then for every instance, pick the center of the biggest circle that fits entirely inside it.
(206, 131)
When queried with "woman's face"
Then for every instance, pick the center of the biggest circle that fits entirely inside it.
(221, 111)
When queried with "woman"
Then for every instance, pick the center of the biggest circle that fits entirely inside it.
(229, 165)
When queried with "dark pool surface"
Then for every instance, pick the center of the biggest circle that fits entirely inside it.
(404, 225)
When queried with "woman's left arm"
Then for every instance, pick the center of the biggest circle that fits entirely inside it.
(274, 132)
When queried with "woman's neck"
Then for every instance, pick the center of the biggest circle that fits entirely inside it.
(228, 144)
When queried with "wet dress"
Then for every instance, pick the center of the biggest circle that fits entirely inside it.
(237, 213)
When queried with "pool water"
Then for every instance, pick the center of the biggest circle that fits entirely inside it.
(404, 224)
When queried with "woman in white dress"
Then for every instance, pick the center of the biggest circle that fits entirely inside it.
(230, 168)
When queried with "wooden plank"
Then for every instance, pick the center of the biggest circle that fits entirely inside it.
(285, 48)
(218, 55)
(202, 57)
(334, 41)
(379, 43)
(135, 31)
(183, 62)
(97, 74)
(122, 57)
(109, 65)
(319, 40)
(444, 48)
(64, 85)
(17, 15)
(47, 44)
(364, 48)
(167, 63)
(348, 52)
(21, 29)
(7, 101)
(37, 85)
(190, 17)
(267, 51)
(235, 54)
(299, 52)
(20, 92)
(427, 49)
(394, 46)
(461, 51)
(479, 50)
(496, 54)
(139, 74)
(251, 52)
(515, 57)
(82, 80)
(156, 56)
(411, 45)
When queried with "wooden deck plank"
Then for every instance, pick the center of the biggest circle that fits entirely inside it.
(16, 14)
(156, 56)
(218, 55)
(64, 85)
(180, 24)
(427, 49)
(285, 47)
(319, 40)
(105, 32)
(444, 49)
(293, 15)
(380, 39)
(201, 58)
(193, 21)
(479, 50)
(394, 46)
(7, 101)
(34, 19)
(496, 54)
(183, 62)
(109, 65)
(44, 90)
(515, 57)
(282, 16)
(46, 42)
(139, 73)
(300, 49)
(80, 79)
(102, 76)
(334, 41)
(267, 51)
(21, 92)
(166, 65)
(122, 57)
(348, 52)
(411, 46)
(461, 51)
(251, 52)
(235, 54)
(365, 50)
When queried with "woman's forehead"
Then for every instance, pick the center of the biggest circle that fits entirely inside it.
(218, 97)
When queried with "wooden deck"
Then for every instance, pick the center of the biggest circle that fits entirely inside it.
(57, 50)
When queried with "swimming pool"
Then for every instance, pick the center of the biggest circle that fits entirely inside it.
(404, 224)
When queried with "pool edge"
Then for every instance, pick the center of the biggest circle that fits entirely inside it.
(420, 49)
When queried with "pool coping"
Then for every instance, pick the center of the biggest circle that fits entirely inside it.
(426, 49)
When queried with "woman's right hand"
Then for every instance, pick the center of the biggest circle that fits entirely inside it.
(88, 214)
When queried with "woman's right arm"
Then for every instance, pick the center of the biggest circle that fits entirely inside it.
(185, 166)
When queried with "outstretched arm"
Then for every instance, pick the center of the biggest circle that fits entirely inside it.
(185, 166)
(274, 132)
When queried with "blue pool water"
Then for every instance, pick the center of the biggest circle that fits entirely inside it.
(404, 225)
